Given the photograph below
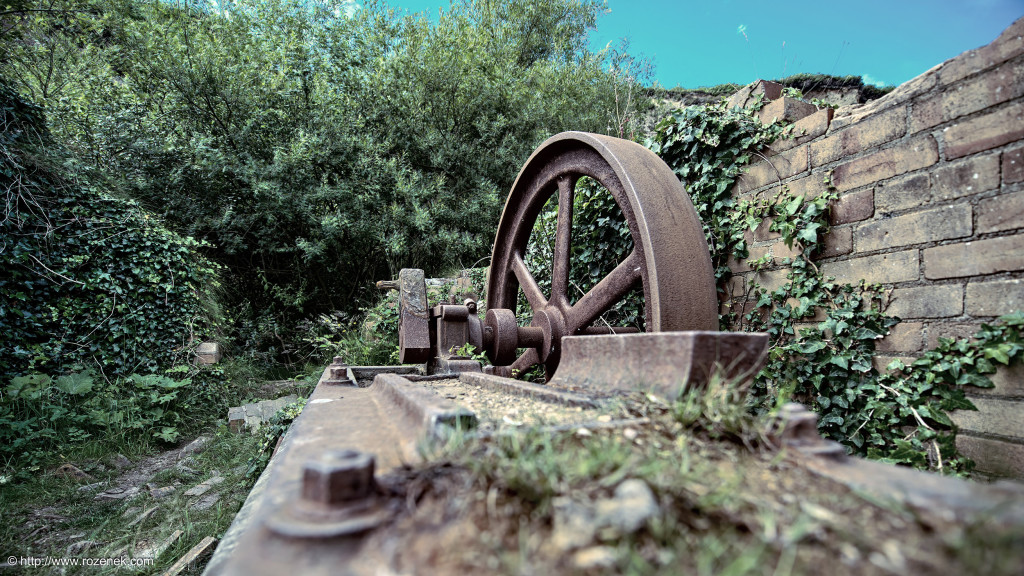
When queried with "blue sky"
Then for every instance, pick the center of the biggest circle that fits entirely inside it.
(715, 41)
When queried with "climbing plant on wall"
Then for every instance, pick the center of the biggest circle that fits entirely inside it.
(823, 333)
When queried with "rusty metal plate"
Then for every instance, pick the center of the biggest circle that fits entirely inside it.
(666, 363)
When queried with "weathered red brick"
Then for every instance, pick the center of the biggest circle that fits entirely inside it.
(809, 187)
(993, 457)
(902, 193)
(838, 241)
(918, 153)
(1008, 45)
(772, 280)
(995, 298)
(935, 301)
(763, 232)
(903, 337)
(868, 133)
(1013, 165)
(1007, 381)
(1000, 84)
(773, 170)
(974, 258)
(880, 269)
(925, 113)
(999, 213)
(985, 132)
(915, 228)
(965, 177)
(853, 207)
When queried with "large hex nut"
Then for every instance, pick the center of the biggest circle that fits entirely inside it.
(338, 477)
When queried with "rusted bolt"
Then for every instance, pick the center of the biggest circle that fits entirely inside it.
(337, 477)
(338, 361)
(339, 372)
(470, 304)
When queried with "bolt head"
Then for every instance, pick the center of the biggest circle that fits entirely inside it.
(337, 477)
(338, 361)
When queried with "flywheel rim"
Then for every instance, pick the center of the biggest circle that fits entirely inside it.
(670, 256)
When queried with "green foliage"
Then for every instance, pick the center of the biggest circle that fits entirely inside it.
(90, 280)
(901, 416)
(271, 433)
(40, 415)
(315, 148)
(707, 146)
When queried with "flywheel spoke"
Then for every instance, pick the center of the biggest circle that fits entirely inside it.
(611, 289)
(527, 359)
(563, 239)
(533, 293)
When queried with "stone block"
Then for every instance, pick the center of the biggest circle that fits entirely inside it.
(915, 228)
(866, 134)
(808, 187)
(993, 416)
(975, 258)
(965, 177)
(880, 361)
(926, 113)
(853, 207)
(903, 337)
(884, 164)
(1013, 165)
(805, 130)
(994, 457)
(209, 353)
(1008, 381)
(954, 330)
(773, 170)
(785, 109)
(879, 269)
(902, 193)
(1003, 83)
(985, 132)
(838, 241)
(772, 280)
(764, 232)
(942, 301)
(744, 96)
(1008, 45)
(1000, 213)
(995, 298)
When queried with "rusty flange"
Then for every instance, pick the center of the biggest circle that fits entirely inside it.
(670, 259)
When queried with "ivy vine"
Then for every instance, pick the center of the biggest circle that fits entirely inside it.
(823, 333)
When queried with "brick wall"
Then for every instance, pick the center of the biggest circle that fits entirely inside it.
(931, 205)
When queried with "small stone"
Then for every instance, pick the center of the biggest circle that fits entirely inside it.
(194, 447)
(629, 510)
(118, 493)
(573, 524)
(204, 487)
(583, 432)
(120, 461)
(142, 516)
(79, 547)
(594, 557)
(604, 418)
(206, 502)
(630, 434)
(158, 493)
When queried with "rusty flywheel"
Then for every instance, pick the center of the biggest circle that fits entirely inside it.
(670, 260)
